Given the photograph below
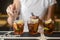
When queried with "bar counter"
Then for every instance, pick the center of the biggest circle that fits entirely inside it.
(5, 35)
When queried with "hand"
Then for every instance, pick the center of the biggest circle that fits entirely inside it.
(12, 13)
(9, 10)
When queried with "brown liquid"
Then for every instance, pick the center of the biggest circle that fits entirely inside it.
(51, 28)
(33, 28)
(19, 29)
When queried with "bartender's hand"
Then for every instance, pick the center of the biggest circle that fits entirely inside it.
(12, 13)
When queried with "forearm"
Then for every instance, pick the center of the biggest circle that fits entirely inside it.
(17, 9)
(17, 4)
(51, 10)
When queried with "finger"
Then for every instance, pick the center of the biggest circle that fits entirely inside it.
(15, 12)
(10, 15)
(9, 11)
(10, 20)
(11, 7)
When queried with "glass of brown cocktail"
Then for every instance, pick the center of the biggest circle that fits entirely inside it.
(18, 27)
(33, 25)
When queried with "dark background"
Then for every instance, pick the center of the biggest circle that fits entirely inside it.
(4, 4)
(3, 14)
(57, 13)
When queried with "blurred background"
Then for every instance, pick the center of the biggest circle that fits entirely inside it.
(4, 26)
